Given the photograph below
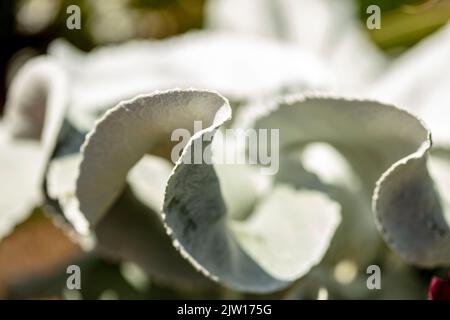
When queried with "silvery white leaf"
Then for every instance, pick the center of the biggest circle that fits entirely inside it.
(329, 29)
(242, 187)
(261, 253)
(385, 145)
(130, 130)
(439, 167)
(34, 113)
(288, 217)
(124, 215)
(36, 102)
(19, 183)
(410, 212)
(420, 81)
(278, 242)
(226, 253)
(148, 180)
(61, 185)
(132, 229)
(318, 166)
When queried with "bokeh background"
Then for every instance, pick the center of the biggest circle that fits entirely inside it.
(28, 26)
(31, 258)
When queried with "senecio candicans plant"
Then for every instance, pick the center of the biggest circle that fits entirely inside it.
(90, 135)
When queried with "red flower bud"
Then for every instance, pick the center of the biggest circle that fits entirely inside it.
(439, 289)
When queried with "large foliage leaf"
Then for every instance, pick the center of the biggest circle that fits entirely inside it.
(327, 28)
(227, 251)
(417, 81)
(34, 114)
(386, 146)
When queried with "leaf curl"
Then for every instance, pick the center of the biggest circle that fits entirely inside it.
(34, 113)
(384, 145)
(143, 125)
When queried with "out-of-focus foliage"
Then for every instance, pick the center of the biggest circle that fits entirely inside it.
(26, 24)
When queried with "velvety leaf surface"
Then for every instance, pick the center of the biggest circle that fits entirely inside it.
(394, 146)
